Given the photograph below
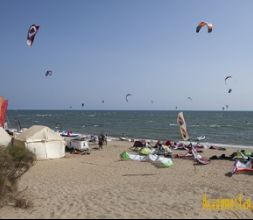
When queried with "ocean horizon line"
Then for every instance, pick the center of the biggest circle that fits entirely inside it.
(129, 110)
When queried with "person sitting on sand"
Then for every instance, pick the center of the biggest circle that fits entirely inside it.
(158, 144)
(163, 150)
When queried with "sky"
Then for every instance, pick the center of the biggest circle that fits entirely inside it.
(104, 49)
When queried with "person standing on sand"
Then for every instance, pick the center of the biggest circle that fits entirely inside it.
(104, 138)
(100, 141)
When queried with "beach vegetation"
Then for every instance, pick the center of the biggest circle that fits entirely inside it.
(14, 163)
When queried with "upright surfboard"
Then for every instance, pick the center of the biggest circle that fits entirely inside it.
(182, 125)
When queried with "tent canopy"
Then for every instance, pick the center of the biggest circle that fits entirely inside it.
(38, 133)
(42, 141)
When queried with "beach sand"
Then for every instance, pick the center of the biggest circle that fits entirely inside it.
(100, 185)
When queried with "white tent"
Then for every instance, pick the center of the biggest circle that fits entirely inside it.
(42, 141)
(5, 138)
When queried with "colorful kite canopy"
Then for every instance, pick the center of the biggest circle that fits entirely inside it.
(49, 73)
(127, 96)
(202, 24)
(227, 77)
(33, 29)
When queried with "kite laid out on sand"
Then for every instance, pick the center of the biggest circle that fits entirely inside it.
(202, 24)
(157, 160)
(33, 29)
(245, 164)
(198, 158)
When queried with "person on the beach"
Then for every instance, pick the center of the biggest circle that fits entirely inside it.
(100, 141)
(104, 138)
(158, 144)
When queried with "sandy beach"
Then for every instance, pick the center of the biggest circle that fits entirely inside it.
(100, 185)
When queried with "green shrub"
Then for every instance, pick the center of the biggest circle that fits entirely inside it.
(14, 162)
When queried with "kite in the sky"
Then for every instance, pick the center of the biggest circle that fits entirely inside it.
(190, 98)
(227, 77)
(33, 29)
(230, 90)
(127, 96)
(103, 101)
(202, 24)
(82, 104)
(49, 73)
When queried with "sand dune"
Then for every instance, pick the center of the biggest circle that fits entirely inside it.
(101, 186)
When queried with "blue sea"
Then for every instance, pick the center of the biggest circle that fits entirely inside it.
(225, 127)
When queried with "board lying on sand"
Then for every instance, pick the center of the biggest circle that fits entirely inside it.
(69, 134)
(200, 138)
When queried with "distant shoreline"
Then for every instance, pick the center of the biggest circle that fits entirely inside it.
(206, 144)
(229, 128)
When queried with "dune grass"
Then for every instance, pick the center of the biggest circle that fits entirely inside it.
(14, 162)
